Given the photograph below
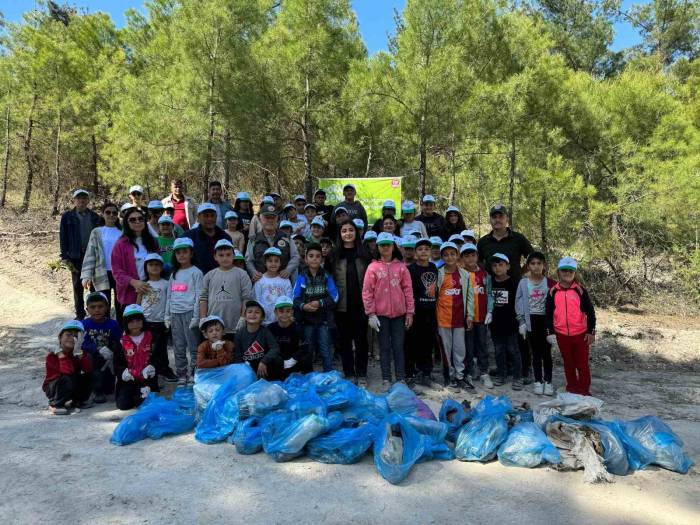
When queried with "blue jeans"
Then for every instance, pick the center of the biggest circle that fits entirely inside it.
(477, 347)
(391, 336)
(318, 336)
(507, 345)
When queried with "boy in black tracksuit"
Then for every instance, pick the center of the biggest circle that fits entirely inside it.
(294, 349)
(255, 344)
(420, 340)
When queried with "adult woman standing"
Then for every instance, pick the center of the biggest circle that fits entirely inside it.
(97, 263)
(129, 254)
(349, 264)
(454, 223)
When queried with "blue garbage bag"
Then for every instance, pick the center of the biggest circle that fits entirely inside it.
(492, 405)
(527, 446)
(335, 391)
(665, 447)
(184, 397)
(454, 415)
(260, 398)
(284, 436)
(520, 415)
(480, 438)
(208, 380)
(436, 430)
(248, 436)
(434, 449)
(305, 403)
(343, 446)
(397, 447)
(367, 408)
(404, 401)
(155, 418)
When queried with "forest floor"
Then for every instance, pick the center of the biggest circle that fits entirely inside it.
(63, 469)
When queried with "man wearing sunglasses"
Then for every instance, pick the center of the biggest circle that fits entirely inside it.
(74, 233)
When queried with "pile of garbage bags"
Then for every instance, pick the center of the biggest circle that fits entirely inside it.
(331, 420)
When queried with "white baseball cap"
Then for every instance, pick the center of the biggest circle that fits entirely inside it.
(136, 189)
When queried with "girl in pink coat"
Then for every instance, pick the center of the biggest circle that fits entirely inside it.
(387, 295)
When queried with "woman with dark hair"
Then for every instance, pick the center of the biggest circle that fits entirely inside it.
(454, 223)
(243, 206)
(129, 257)
(348, 265)
(96, 271)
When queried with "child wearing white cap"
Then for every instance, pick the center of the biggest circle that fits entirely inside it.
(214, 351)
(237, 237)
(409, 224)
(271, 286)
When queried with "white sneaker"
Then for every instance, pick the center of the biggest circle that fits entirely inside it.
(538, 388)
(386, 385)
(486, 381)
(548, 389)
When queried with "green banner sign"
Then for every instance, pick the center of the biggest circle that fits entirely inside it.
(371, 192)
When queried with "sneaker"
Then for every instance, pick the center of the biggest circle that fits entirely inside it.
(169, 376)
(527, 380)
(548, 389)
(89, 402)
(58, 411)
(538, 388)
(499, 380)
(100, 398)
(362, 382)
(466, 383)
(454, 385)
(517, 384)
(386, 385)
(486, 381)
(182, 381)
(425, 380)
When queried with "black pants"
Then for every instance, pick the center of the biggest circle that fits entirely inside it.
(128, 394)
(78, 291)
(113, 290)
(66, 388)
(160, 346)
(102, 380)
(419, 344)
(525, 357)
(352, 327)
(541, 349)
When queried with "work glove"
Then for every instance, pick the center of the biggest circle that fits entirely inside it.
(217, 345)
(145, 391)
(106, 353)
(488, 318)
(57, 349)
(240, 324)
(148, 372)
(289, 363)
(522, 329)
(167, 324)
(552, 340)
(126, 375)
(194, 324)
(373, 323)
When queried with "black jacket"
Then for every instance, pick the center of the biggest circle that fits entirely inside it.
(69, 235)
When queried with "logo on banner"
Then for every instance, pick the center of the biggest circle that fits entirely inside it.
(395, 183)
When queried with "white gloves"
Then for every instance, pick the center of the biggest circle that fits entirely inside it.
(194, 323)
(57, 349)
(552, 340)
(373, 323)
(126, 375)
(217, 345)
(167, 324)
(488, 318)
(522, 329)
(145, 391)
(148, 372)
(289, 363)
(106, 353)
(240, 324)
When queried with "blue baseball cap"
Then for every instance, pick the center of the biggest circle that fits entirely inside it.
(456, 237)
(499, 257)
(231, 215)
(155, 205)
(243, 196)
(428, 198)
(408, 242)
(454, 209)
(208, 320)
(449, 244)
(153, 257)
(72, 325)
(371, 235)
(205, 207)
(132, 310)
(385, 238)
(283, 302)
(300, 198)
(468, 247)
(268, 200)
(272, 251)
(182, 242)
(408, 207)
(165, 219)
(286, 224)
(435, 241)
(359, 223)
(389, 204)
(567, 263)
(223, 243)
(318, 221)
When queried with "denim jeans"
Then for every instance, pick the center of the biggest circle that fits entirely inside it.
(507, 345)
(319, 338)
(391, 336)
(477, 347)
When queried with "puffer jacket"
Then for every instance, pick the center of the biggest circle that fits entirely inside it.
(388, 290)
(569, 311)
(132, 356)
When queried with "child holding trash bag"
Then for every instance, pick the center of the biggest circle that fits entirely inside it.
(254, 344)
(102, 335)
(455, 314)
(215, 351)
(133, 363)
(530, 302)
(571, 326)
(68, 379)
(387, 295)
(294, 350)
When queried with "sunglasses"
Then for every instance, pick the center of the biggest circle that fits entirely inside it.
(135, 220)
(111, 212)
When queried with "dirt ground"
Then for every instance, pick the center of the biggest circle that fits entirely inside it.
(64, 470)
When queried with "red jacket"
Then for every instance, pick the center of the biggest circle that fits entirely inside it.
(68, 366)
(134, 357)
(569, 311)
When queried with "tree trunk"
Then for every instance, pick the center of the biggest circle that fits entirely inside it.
(57, 166)
(422, 166)
(6, 164)
(210, 138)
(306, 139)
(227, 163)
(511, 183)
(95, 173)
(27, 146)
(543, 223)
(453, 170)
(266, 181)
(369, 158)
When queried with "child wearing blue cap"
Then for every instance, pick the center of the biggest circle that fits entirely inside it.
(232, 228)
(102, 335)
(68, 380)
(294, 349)
(271, 286)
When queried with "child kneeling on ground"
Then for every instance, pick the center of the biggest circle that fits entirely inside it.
(294, 349)
(254, 344)
(68, 380)
(136, 374)
(214, 351)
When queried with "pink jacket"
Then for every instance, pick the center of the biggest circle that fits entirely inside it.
(387, 290)
(124, 270)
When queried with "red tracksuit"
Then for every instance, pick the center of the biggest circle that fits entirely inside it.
(570, 315)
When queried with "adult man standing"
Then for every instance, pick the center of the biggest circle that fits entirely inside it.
(503, 240)
(215, 196)
(354, 208)
(205, 237)
(184, 208)
(74, 234)
(323, 209)
(433, 221)
(270, 237)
